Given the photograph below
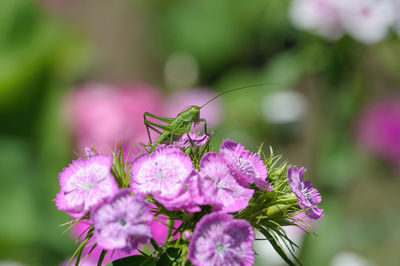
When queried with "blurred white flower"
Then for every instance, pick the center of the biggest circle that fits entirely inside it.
(284, 107)
(349, 258)
(397, 16)
(319, 16)
(367, 21)
(266, 254)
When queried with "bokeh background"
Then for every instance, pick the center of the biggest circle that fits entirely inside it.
(74, 73)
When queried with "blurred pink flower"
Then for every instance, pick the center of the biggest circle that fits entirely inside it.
(379, 128)
(177, 102)
(102, 115)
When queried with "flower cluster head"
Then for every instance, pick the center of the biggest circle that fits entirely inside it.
(211, 201)
(367, 21)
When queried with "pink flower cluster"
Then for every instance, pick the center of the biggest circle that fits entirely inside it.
(221, 181)
(368, 21)
(215, 187)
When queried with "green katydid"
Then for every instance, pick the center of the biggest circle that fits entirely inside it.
(182, 123)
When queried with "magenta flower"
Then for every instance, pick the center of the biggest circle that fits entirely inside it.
(161, 173)
(379, 129)
(307, 196)
(217, 186)
(122, 222)
(85, 183)
(247, 167)
(219, 239)
(197, 140)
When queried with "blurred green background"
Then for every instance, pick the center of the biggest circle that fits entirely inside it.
(309, 111)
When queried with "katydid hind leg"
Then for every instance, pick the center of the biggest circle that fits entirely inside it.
(152, 128)
(167, 120)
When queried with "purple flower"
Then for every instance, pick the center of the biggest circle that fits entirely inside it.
(219, 239)
(197, 140)
(217, 186)
(122, 222)
(307, 196)
(161, 173)
(84, 183)
(246, 167)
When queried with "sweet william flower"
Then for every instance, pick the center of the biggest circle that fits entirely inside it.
(197, 140)
(85, 183)
(307, 196)
(161, 173)
(184, 199)
(219, 239)
(122, 222)
(218, 187)
(247, 167)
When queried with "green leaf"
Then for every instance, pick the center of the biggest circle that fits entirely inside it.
(101, 258)
(276, 245)
(154, 244)
(170, 256)
(134, 260)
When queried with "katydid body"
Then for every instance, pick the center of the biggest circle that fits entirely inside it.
(182, 123)
(174, 127)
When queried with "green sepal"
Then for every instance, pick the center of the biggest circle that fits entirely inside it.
(139, 260)
(169, 257)
(277, 246)
(101, 258)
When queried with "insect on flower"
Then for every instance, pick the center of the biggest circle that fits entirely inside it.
(182, 123)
